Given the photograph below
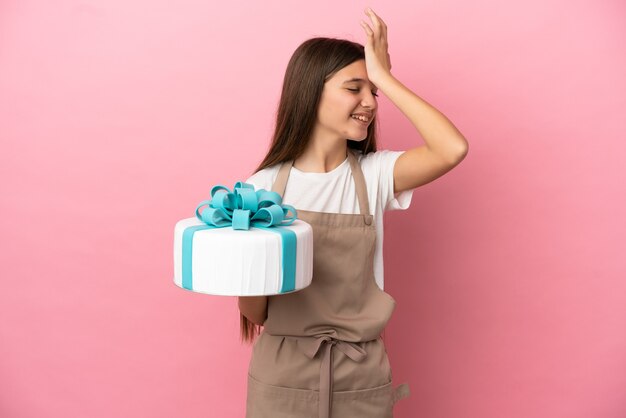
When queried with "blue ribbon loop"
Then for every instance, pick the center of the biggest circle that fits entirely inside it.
(242, 209)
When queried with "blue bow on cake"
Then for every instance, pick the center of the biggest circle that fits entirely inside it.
(245, 206)
(241, 209)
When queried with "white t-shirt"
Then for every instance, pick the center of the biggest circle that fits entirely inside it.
(335, 192)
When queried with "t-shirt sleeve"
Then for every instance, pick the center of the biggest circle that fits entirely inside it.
(256, 180)
(262, 179)
(391, 200)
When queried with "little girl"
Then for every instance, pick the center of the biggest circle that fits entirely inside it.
(321, 353)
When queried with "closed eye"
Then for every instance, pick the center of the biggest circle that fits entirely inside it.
(373, 93)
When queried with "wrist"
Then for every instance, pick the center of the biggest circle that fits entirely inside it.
(383, 80)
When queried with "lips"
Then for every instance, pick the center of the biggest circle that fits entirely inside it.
(362, 117)
(360, 122)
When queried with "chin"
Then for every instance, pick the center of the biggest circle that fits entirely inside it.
(358, 138)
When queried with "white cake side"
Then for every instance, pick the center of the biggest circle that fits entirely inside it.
(242, 262)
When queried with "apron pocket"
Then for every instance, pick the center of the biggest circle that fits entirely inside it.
(374, 402)
(269, 401)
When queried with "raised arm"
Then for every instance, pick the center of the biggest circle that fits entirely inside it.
(445, 145)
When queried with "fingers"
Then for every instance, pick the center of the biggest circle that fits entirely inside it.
(368, 30)
(378, 23)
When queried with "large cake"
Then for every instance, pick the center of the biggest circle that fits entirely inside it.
(244, 243)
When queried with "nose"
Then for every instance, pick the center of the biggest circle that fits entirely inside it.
(369, 101)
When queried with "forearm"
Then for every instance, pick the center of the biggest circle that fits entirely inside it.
(254, 308)
(440, 135)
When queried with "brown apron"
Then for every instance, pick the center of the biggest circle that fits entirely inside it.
(294, 371)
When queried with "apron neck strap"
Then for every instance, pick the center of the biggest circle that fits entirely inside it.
(359, 180)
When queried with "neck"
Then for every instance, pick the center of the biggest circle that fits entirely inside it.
(322, 157)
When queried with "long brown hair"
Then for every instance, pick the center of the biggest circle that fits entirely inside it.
(311, 65)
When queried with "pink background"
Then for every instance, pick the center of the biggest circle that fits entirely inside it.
(117, 117)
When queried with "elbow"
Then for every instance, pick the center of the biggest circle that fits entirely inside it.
(463, 154)
(260, 320)
(464, 149)
(459, 155)
(254, 308)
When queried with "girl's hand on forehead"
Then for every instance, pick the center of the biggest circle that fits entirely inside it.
(377, 61)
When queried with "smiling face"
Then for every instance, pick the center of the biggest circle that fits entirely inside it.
(346, 93)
